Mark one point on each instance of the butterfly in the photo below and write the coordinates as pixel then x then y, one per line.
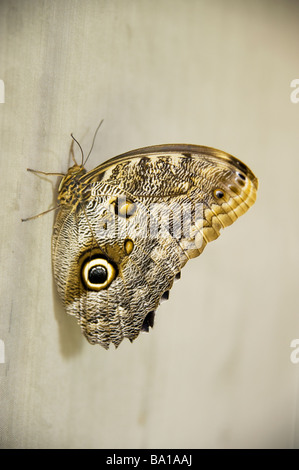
pixel 124 231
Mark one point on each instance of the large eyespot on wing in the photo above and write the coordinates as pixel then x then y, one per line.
pixel 99 308
pixel 97 273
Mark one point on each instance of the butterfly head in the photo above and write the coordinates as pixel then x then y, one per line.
pixel 70 188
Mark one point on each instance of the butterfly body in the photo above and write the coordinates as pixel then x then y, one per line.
pixel 124 231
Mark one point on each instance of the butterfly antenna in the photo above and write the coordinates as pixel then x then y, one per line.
pixel 80 149
pixel 94 138
pixel 42 213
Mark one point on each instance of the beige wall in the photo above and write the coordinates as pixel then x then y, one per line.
pixel 216 369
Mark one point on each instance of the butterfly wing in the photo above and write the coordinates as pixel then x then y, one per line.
pixel 140 217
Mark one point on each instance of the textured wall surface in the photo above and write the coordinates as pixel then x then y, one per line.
pixel 216 370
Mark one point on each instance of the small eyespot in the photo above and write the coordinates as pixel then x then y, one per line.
pixel 97 273
pixel 127 209
pixel 123 207
pixel 240 175
pixel 219 194
pixel 128 245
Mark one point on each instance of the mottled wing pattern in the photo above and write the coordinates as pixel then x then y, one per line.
pixel 143 214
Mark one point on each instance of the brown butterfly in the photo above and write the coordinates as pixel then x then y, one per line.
pixel 124 231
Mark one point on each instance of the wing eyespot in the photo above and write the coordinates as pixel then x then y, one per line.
pixel 240 175
pixel 219 194
pixel 124 207
pixel 97 273
pixel 128 246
